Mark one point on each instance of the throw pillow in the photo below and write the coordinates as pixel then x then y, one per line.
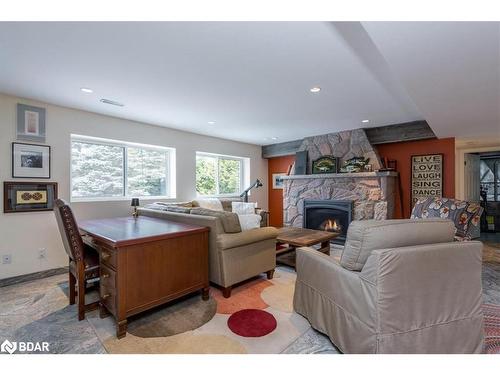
pixel 209 203
pixel 248 222
pixel 230 221
pixel 244 208
pixel 178 209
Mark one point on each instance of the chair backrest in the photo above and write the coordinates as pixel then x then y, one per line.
pixel 72 240
pixel 364 236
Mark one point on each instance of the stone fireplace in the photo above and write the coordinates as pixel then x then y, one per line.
pixel 371 195
pixel 329 215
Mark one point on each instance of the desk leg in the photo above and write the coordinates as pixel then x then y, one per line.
pixel 121 329
pixel 205 293
pixel 103 311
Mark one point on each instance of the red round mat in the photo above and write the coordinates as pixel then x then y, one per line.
pixel 252 323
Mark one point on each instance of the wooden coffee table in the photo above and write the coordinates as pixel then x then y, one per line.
pixel 300 237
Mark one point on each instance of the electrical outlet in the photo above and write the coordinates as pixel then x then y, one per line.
pixel 7 259
pixel 42 253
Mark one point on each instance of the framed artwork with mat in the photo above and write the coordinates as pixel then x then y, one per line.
pixel 28 196
pixel 30 123
pixel 30 161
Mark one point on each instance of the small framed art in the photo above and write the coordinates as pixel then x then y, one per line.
pixel 278 180
pixel 30 161
pixel 28 196
pixel 30 123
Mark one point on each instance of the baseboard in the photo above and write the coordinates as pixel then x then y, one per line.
pixel 32 276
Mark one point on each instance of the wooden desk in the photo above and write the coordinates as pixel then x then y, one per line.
pixel 146 262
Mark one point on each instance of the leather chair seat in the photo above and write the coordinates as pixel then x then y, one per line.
pixel 91 264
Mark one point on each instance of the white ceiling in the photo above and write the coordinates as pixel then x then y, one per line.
pixel 450 69
pixel 253 79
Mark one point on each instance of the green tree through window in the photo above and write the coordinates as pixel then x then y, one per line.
pixel 218 175
pixel 100 170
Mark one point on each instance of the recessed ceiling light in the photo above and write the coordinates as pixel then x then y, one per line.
pixel 211 123
pixel 315 89
pixel 86 90
pixel 111 102
pixel 365 121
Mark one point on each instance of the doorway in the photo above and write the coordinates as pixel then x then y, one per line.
pixel 490 191
pixel 482 184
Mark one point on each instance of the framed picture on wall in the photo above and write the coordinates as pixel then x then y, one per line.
pixel 30 161
pixel 28 196
pixel 278 180
pixel 426 176
pixel 30 123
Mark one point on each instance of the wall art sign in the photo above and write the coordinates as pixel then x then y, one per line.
pixel 426 176
pixel 30 123
pixel 30 161
pixel 28 196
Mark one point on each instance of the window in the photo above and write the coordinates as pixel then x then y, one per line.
pixel 218 174
pixel 106 169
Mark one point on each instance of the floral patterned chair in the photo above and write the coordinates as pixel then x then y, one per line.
pixel 465 215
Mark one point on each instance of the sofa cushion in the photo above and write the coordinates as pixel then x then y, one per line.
pixel 179 209
pixel 208 203
pixel 227 203
pixel 230 240
pixel 364 236
pixel 163 206
pixel 465 215
pixel 250 221
pixel 229 220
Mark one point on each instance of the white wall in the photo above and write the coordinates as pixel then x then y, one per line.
pixel 23 234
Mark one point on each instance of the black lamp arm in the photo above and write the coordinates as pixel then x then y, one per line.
pixel 244 195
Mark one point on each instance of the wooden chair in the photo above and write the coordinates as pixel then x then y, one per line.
pixel 83 260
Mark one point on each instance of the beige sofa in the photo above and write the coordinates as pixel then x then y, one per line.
pixel 233 257
pixel 401 286
pixel 226 205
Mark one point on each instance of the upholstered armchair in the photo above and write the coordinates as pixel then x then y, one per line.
pixel 466 216
pixel 401 286
pixel 83 260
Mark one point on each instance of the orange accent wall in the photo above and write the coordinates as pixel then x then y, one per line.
pixel 277 165
pixel 403 151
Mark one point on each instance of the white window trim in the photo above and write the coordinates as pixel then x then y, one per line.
pixel 170 174
pixel 243 174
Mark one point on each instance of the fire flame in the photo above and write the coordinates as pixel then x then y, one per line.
pixel 332 226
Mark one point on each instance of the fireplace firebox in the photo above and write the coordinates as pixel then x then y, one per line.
pixel 329 215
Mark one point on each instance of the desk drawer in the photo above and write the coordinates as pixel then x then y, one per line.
pixel 108 257
pixel 108 288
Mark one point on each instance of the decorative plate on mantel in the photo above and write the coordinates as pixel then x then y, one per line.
pixel 325 164
pixel 355 165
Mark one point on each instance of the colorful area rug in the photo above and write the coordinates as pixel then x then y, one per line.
pixel 258 318
pixel 492 328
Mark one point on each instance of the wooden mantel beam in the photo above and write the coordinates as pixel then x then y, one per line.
pixel 407 131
